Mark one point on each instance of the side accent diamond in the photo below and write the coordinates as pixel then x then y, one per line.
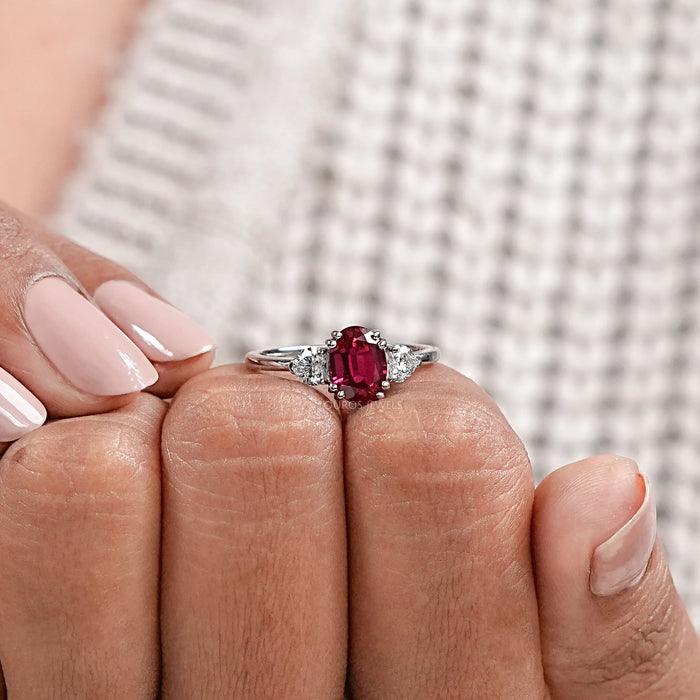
pixel 311 366
pixel 402 363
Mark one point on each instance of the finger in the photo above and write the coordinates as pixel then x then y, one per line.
pixel 58 344
pixel 20 411
pixel 254 561
pixel 79 546
pixel 613 625
pixel 177 346
pixel 53 340
pixel 442 598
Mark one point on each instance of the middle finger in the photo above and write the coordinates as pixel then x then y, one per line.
pixel 254 565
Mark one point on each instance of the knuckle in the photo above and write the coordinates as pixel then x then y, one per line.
pixel 451 435
pixel 103 463
pixel 641 651
pixel 12 232
pixel 19 255
pixel 19 242
pixel 272 434
pixel 24 251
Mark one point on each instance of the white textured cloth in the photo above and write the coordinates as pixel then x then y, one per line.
pixel 517 182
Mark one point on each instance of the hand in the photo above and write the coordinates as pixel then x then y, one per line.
pixel 449 591
pixel 60 352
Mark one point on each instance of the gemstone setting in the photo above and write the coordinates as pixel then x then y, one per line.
pixel 357 364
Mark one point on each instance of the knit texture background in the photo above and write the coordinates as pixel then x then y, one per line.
pixel 517 182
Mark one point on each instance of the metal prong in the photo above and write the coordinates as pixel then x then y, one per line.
pixel 382 344
pixel 340 395
pixel 396 347
pixel 379 395
pixel 375 334
pixel 330 343
pixel 385 384
pixel 336 334
pixel 332 388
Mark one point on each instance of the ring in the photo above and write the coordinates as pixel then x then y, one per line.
pixel 357 363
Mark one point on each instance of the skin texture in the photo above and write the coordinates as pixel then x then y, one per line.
pixel 439 493
pixel 254 594
pixel 79 527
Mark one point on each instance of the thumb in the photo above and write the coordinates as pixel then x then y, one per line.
pixel 612 622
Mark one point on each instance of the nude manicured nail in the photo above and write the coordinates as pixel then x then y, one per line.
pixel 620 561
pixel 82 343
pixel 20 411
pixel 162 332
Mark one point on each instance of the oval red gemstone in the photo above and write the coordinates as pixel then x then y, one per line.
pixel 357 365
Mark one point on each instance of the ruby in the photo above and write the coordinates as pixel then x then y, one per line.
pixel 357 365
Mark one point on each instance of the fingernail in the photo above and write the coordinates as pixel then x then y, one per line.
pixel 620 562
pixel 20 411
pixel 82 343
pixel 162 332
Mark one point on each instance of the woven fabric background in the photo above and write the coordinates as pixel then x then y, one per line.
pixel 516 182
